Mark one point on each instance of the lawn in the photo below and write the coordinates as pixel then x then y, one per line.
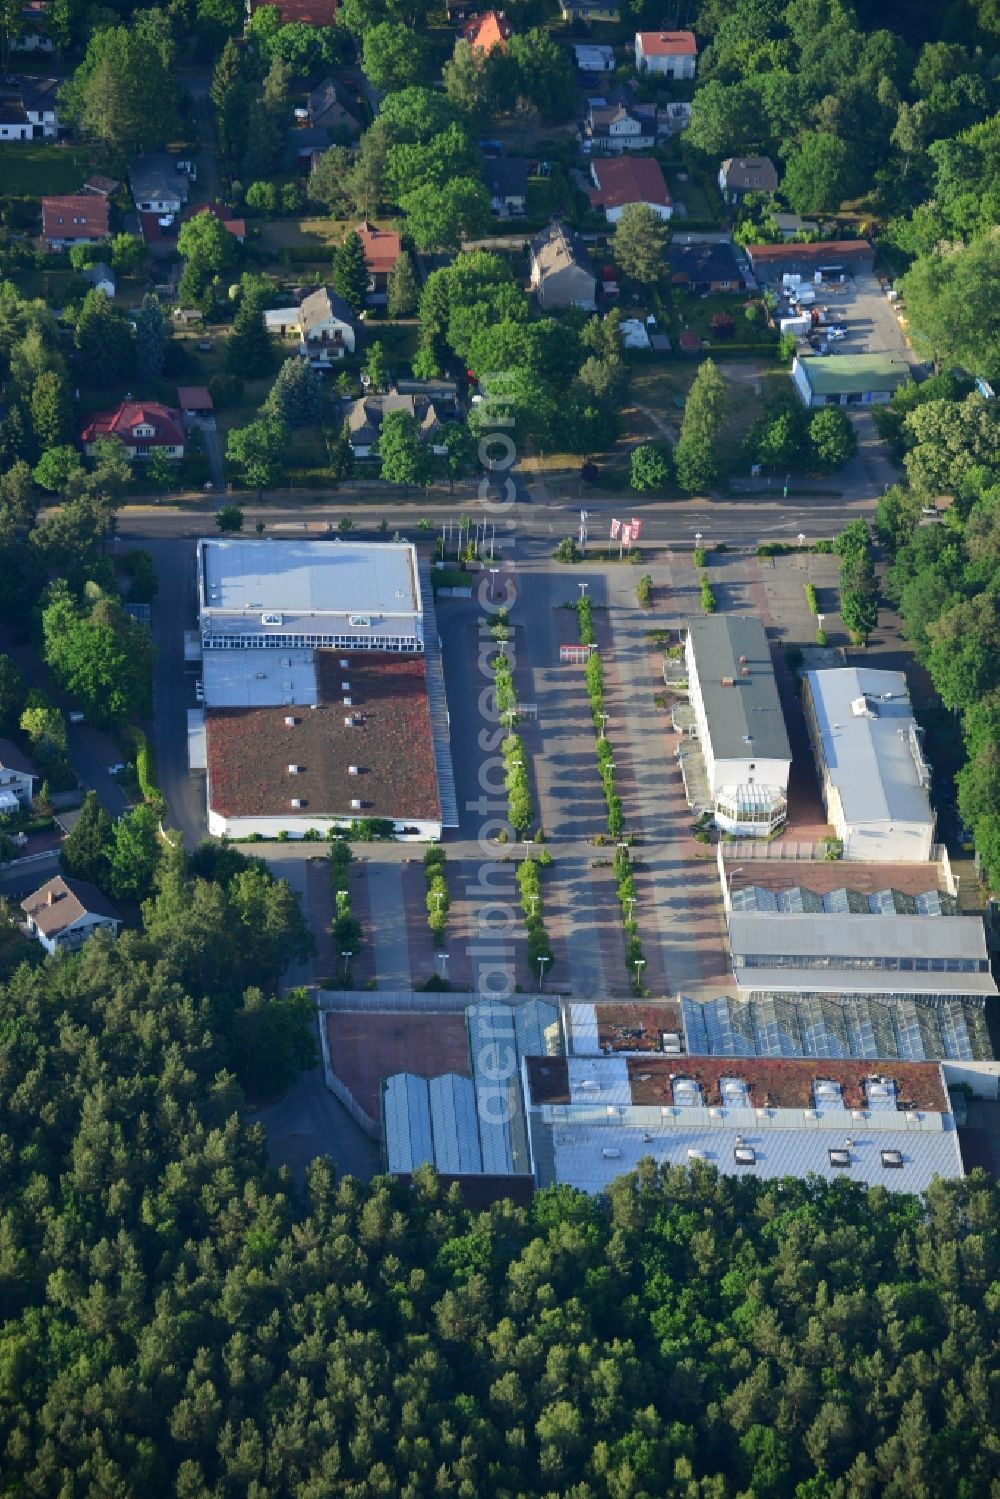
pixel 35 169
pixel 694 310
pixel 320 233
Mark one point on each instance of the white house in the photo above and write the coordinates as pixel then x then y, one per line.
pixel 326 327
pixel 672 54
pixel 101 277
pixel 28 109
pixel 17 779
pixel 593 58
pixel 618 127
pixel 739 723
pixel 157 183
pixel 64 913
pixel 869 754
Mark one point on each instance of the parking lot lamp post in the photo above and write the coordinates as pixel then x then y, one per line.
pixel 527 848
pixel 583 589
pixel 630 902
pixel 819 621
pixel 534 904
pixel 698 538
pixel 347 963
pixel 640 963
pixel 541 973
pixel 442 958
pixel 439 897
pixel 802 538
pixel 604 719
pixel 494 572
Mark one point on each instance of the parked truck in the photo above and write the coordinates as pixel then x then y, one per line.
pixel 797 325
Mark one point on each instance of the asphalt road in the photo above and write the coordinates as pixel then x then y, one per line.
pixel 174 612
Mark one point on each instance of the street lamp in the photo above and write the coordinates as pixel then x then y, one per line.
pixel 347 963
pixel 604 718
pixel 630 902
pixel 439 897
pixel 541 973
pixel 583 589
pixel 802 538
pixel 697 538
pixel 494 571
pixel 527 848
pixel 640 963
pixel 442 958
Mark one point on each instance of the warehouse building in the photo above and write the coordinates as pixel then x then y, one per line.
pixel 739 723
pixel 591 1119
pixel 847 379
pixel 323 704
pixel 869 756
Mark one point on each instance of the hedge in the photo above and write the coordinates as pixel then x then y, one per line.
pixel 145 767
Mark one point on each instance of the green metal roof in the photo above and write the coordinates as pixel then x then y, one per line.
pixel 853 374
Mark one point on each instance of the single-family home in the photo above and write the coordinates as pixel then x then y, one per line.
pixel 672 54
pixel 236 227
pixel 365 418
pixel 621 127
pixel 589 10
pixel 492 29
pixel 101 277
pixel 79 219
pixel 299 12
pixel 28 109
pixel 742 175
pixel 64 913
pixel 382 249
pixel 17 779
pixel 506 177
pixel 561 272
pixel 705 267
pixel 34 34
pixel 330 107
pixel 848 379
pixel 326 327
pixel 620 181
pixel 158 185
pixel 594 58
pixel 141 426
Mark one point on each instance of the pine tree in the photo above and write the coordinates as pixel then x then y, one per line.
pixel 84 855
pixel 402 288
pixel 296 396
pixel 350 272
pixel 342 456
pixel 51 411
pixel 151 334
pixel 249 350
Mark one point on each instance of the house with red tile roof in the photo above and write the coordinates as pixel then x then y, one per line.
pixel 492 29
pixel 79 219
pixel 299 12
pixel 622 180
pixel 141 426
pixel 382 249
pixel 671 54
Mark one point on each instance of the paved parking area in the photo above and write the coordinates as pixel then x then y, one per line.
pixel 869 316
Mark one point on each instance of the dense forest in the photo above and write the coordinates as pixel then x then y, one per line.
pixel 181 1320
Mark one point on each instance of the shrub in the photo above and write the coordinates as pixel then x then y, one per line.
pixel 644 591
pixel 811 599
pixel 707 595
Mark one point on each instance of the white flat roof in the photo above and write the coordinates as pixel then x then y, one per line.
pixel 259 679
pixel 868 758
pixel 820 934
pixel 308 577
pixel 801 983
pixel 590 1157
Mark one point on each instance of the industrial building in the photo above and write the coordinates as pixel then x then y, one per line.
pixel 323 704
pixel 847 379
pixel 591 1119
pixel 869 756
pixel 739 723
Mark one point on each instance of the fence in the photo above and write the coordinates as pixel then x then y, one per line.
pixel 339 1090
pixel 759 848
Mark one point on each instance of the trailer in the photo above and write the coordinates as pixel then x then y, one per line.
pixel 796 325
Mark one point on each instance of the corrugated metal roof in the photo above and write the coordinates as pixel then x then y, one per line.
pixel 406 1119
pixel 869 759
pixel 744 718
pixel 829 935
pixel 454 1124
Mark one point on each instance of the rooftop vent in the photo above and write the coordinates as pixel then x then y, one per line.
pixel 290 720
pixel 356 804
pixel 840 1158
pixel 743 660
pixel 352 770
pixel 670 1041
pixel 295 770
pixel 297 801
pixel 729 681
pixel 345 686
pixel 696 1155
pixel 744 671
pixel 349 721
pixel 744 1155
pixel 344 665
pixel 892 1160
pixel 348 700
pixel 610 1152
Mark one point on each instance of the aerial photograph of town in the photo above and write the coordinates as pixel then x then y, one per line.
pixel 499 749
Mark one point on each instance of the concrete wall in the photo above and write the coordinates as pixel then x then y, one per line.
pixel 296 827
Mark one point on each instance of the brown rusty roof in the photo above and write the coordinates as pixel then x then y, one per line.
pixel 834 874
pixel 635 1027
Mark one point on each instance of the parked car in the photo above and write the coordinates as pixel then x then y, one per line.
pixel 78 718
pixel 117 769
pixel 835 333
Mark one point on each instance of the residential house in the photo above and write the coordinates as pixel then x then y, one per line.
pixel 848 379
pixel 492 29
pixel 308 142
pixel 365 418
pixel 299 12
pixel 28 109
pixel 79 219
pixel 326 327
pixel 705 267
pixel 236 227
pixel 101 277
pixel 159 233
pixel 591 58
pixel 561 272
pixel 64 913
pixel 34 35
pixel 507 180
pixel 589 10
pixel 195 400
pixel 672 54
pixel 158 186
pixel 330 108
pixel 382 249
pixel 620 127
pixel 283 322
pixel 623 180
pixel 141 426
pixel 17 779
pixel 741 175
